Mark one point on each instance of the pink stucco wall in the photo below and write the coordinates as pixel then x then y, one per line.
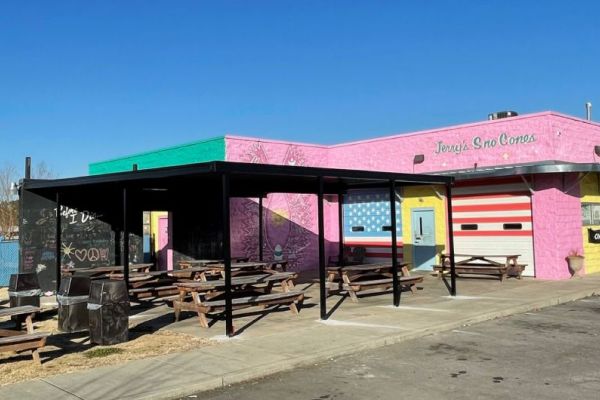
pixel 556 223
pixel 574 139
pixel 525 139
pixel 395 153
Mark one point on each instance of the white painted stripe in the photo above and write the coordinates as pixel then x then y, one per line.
pixel 414 308
pixel 475 214
pixel 500 200
pixel 333 322
pixel 468 333
pixel 461 297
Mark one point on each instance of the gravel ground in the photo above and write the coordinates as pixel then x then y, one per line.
pixel 66 353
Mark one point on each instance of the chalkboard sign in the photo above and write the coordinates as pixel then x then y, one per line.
pixel 37 237
pixel 593 235
pixel 86 239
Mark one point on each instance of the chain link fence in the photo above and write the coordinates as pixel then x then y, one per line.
pixel 9 260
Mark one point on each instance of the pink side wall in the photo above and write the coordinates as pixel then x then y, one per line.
pixel 556 224
pixel 574 139
pixel 536 138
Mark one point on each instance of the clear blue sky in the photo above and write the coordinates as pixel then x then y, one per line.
pixel 84 81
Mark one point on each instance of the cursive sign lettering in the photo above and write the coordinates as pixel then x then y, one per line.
pixel 478 143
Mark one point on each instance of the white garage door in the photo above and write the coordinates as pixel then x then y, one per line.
pixel 494 217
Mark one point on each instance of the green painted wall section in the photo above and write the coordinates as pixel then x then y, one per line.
pixel 196 152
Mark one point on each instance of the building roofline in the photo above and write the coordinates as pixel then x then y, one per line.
pixel 159 150
pixel 422 132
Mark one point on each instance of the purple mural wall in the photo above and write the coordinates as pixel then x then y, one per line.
pixel 290 228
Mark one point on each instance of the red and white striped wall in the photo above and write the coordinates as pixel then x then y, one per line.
pixel 494 217
pixel 378 249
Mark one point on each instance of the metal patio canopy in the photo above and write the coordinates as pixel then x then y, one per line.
pixel 140 190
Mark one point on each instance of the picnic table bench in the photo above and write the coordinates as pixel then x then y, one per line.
pixel 17 341
pixel 249 291
pixel 474 264
pixel 357 278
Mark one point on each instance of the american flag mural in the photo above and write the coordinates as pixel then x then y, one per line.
pixel 494 217
pixel 367 223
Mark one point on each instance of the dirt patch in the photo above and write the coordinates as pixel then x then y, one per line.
pixel 65 353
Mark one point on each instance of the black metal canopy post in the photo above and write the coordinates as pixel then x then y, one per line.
pixel 125 238
pixel 341 228
pixel 229 329
pixel 260 229
pixel 58 243
pixel 27 167
pixel 395 281
pixel 322 290
pixel 450 240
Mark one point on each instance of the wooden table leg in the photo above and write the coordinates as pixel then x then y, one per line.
pixel 34 352
pixel 201 315
pixel 351 292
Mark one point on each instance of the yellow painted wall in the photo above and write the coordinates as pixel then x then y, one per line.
pixel 590 193
pixel 423 197
pixel 154 216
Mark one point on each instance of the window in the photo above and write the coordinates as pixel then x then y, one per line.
pixel 590 213
pixel 513 227
pixel 469 227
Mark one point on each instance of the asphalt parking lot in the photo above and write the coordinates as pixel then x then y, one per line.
pixel 553 353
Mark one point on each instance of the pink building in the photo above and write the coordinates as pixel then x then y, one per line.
pixel 526 185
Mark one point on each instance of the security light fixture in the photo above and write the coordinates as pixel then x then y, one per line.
pixel 419 158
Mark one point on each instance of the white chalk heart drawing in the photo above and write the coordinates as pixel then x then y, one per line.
pixel 81 254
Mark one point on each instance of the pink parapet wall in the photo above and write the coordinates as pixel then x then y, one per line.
pixel 518 140
pixel 556 224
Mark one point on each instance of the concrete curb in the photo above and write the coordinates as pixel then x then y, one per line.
pixel 287 365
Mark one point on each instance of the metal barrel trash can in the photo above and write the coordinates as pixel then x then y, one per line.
pixel 108 308
pixel 72 299
pixel 24 290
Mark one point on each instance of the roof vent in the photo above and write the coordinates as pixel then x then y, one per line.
pixel 502 114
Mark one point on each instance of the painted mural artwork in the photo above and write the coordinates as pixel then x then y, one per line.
pixel 367 223
pixel 288 218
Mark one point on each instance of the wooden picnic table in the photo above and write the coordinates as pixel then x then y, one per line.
pixel 106 270
pixel 18 341
pixel 357 278
pixel 479 264
pixel 239 268
pixel 208 261
pixel 248 291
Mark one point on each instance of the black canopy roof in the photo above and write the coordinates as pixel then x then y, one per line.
pixel 247 179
